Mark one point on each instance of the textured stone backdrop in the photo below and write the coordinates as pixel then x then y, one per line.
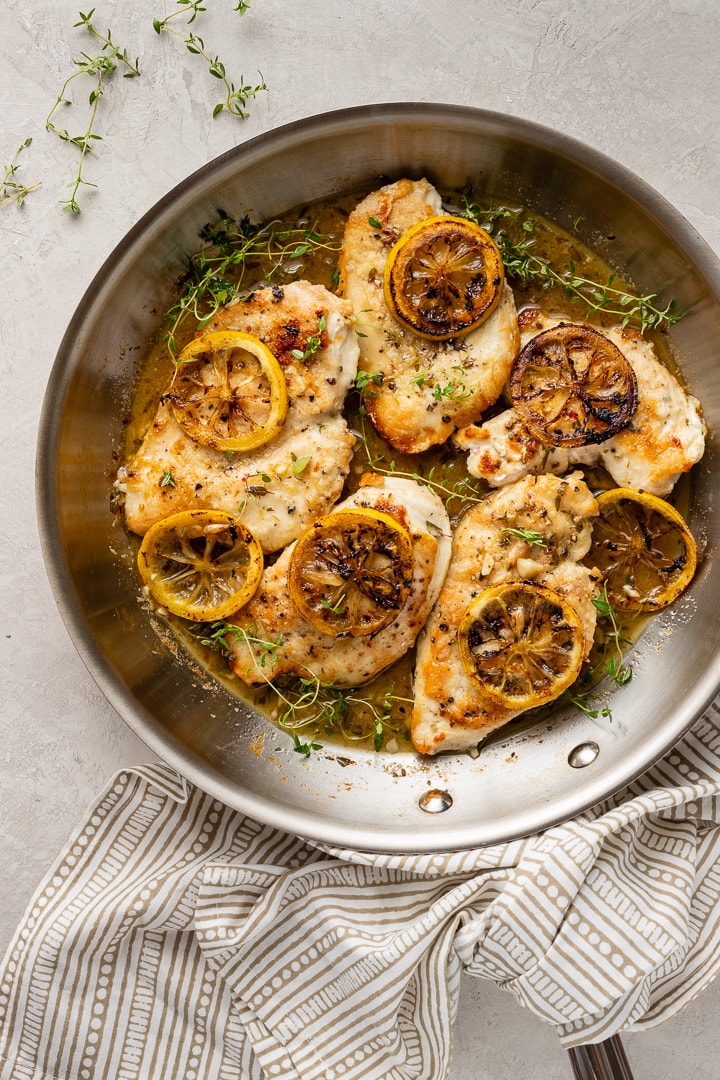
pixel 637 81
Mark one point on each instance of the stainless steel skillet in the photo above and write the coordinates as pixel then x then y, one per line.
pixel 519 785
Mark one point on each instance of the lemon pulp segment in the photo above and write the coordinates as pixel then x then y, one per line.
pixel 200 564
pixel 351 572
pixel 521 643
pixel 228 391
pixel 443 277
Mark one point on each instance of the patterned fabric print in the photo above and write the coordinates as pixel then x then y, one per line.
pixel 174 937
pixel 105 977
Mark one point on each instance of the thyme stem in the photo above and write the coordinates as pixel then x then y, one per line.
pixel 11 191
pixel 307 703
pixel 464 491
pixel 236 98
pixel 522 263
pixel 98 68
pixel 216 273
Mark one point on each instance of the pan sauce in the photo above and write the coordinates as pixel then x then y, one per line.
pixel 552 243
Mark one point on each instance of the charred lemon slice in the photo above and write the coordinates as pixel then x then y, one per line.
pixel 201 564
pixel 521 644
pixel 228 391
pixel 443 277
pixel 643 548
pixel 571 386
pixel 350 573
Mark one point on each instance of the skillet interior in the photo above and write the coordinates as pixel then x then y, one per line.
pixel 515 787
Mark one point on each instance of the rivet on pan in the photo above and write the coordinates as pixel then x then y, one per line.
pixel 583 754
pixel 435 801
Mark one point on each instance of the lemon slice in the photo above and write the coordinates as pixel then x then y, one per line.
pixel 443 277
pixel 201 564
pixel 643 548
pixel 228 391
pixel 522 644
pixel 351 572
pixel 571 386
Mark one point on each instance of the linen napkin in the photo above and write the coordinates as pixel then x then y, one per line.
pixel 175 937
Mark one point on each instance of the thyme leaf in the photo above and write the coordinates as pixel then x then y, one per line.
pixel 314 343
pixel 300 464
pixel 449 392
pixel 304 748
pixel 584 706
pixel 530 536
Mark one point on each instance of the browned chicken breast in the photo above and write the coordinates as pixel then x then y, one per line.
pixel 451 712
pixel 428 388
pixel 664 439
pixel 271 615
pixel 265 487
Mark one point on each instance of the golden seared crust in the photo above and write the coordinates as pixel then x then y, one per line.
pixel 428 388
pixel 348 661
pixel 275 498
pixel 664 439
pixel 262 487
pixel 285 319
pixel 450 713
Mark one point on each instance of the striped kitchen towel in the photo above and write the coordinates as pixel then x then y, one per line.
pixel 174 937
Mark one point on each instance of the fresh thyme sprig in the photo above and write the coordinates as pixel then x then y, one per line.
pixel 452 391
pixel 308 705
pixel 611 666
pixel 619 673
pixel 98 68
pixel 321 707
pixel 585 706
pixel 10 190
pixel 364 381
pixel 463 491
pixel 217 272
pixel 530 536
pixel 236 98
pixel 522 263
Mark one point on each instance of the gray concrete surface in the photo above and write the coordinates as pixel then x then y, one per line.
pixel 637 81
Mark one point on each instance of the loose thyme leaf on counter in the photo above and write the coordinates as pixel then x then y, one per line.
pixel 98 68
pixel 10 190
pixel 236 98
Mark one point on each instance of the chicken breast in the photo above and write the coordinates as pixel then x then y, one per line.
pixel 428 388
pixel 271 615
pixel 665 438
pixel 283 486
pixel 450 712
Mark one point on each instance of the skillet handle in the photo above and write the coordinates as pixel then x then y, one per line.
pixel 600 1061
